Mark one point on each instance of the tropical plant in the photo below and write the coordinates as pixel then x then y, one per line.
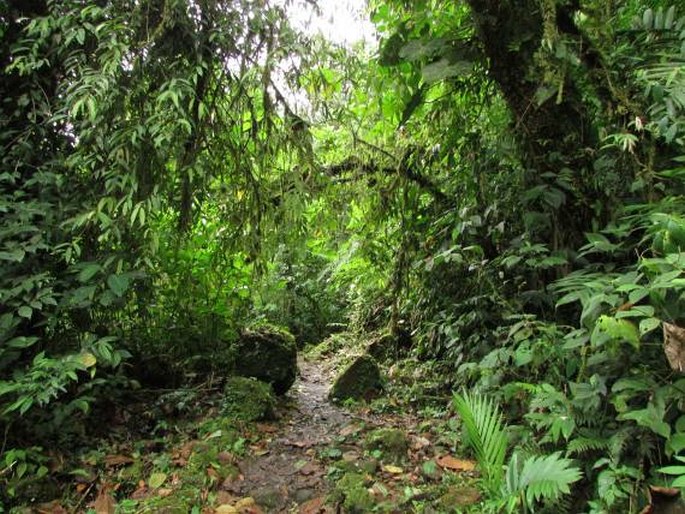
pixel 523 483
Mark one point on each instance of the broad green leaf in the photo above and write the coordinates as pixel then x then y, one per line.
pixel 443 69
pixel 21 342
pixel 608 328
pixel 673 470
pixel 649 324
pixel 25 311
pixel 156 480
pixel 118 284
pixel 16 255
pixel 88 272
pixel 87 359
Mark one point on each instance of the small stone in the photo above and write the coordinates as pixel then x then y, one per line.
pixel 391 442
pixel 460 497
pixel 268 497
pixel 303 495
pixel 350 456
pixel 369 466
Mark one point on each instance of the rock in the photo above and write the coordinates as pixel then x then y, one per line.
pixel 268 354
pixel 268 497
pixel 247 399
pixel 382 347
pixel 459 496
pixel 303 495
pixel 358 380
pixel 352 492
pixel 391 442
pixel 391 344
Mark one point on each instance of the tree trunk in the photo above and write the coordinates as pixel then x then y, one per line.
pixel 555 134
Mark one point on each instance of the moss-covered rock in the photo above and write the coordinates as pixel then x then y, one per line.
pixel 351 491
pixel 390 442
pixel 381 347
pixel 361 378
pixel 247 399
pixel 268 354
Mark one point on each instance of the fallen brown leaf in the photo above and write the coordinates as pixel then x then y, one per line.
pixel 117 460
pixel 308 469
pixel 449 462
pixel 313 506
pixel 54 507
pixel 267 428
pixel 104 503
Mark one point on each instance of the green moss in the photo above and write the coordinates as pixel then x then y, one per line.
pixel 391 442
pixel 352 492
pixel 357 381
pixel 382 347
pixel 329 346
pixel 180 502
pixel 247 399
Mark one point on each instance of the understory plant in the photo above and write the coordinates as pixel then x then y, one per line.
pixel 526 482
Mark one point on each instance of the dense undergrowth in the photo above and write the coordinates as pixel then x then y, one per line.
pixel 494 194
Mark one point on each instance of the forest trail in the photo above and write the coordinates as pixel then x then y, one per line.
pixel 320 458
pixel 286 475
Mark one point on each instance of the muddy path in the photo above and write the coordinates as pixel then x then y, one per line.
pixel 320 458
pixel 285 473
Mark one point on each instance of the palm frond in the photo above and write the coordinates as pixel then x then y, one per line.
pixel 485 434
pixel 547 477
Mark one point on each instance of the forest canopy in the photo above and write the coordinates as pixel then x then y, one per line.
pixel 497 188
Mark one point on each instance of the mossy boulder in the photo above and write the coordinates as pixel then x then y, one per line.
pixel 268 354
pixel 358 380
pixel 392 444
pixel 382 347
pixel 352 492
pixel 247 399
pixel 390 344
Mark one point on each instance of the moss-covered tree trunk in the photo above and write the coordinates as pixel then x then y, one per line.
pixel 552 120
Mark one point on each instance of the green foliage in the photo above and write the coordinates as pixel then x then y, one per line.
pixel 483 425
pixel 502 182
pixel 519 484
pixel 247 399
pixel 352 492
pixel 678 471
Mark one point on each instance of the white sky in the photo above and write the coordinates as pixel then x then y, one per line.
pixel 344 22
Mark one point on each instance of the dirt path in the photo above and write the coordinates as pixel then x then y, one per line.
pixel 285 474
pixel 390 460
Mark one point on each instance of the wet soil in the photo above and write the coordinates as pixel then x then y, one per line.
pixel 287 474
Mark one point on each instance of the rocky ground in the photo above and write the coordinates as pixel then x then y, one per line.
pixel 315 457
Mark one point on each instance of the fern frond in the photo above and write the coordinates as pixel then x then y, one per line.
pixel 547 477
pixel 485 434
pixel 619 441
pixel 587 443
